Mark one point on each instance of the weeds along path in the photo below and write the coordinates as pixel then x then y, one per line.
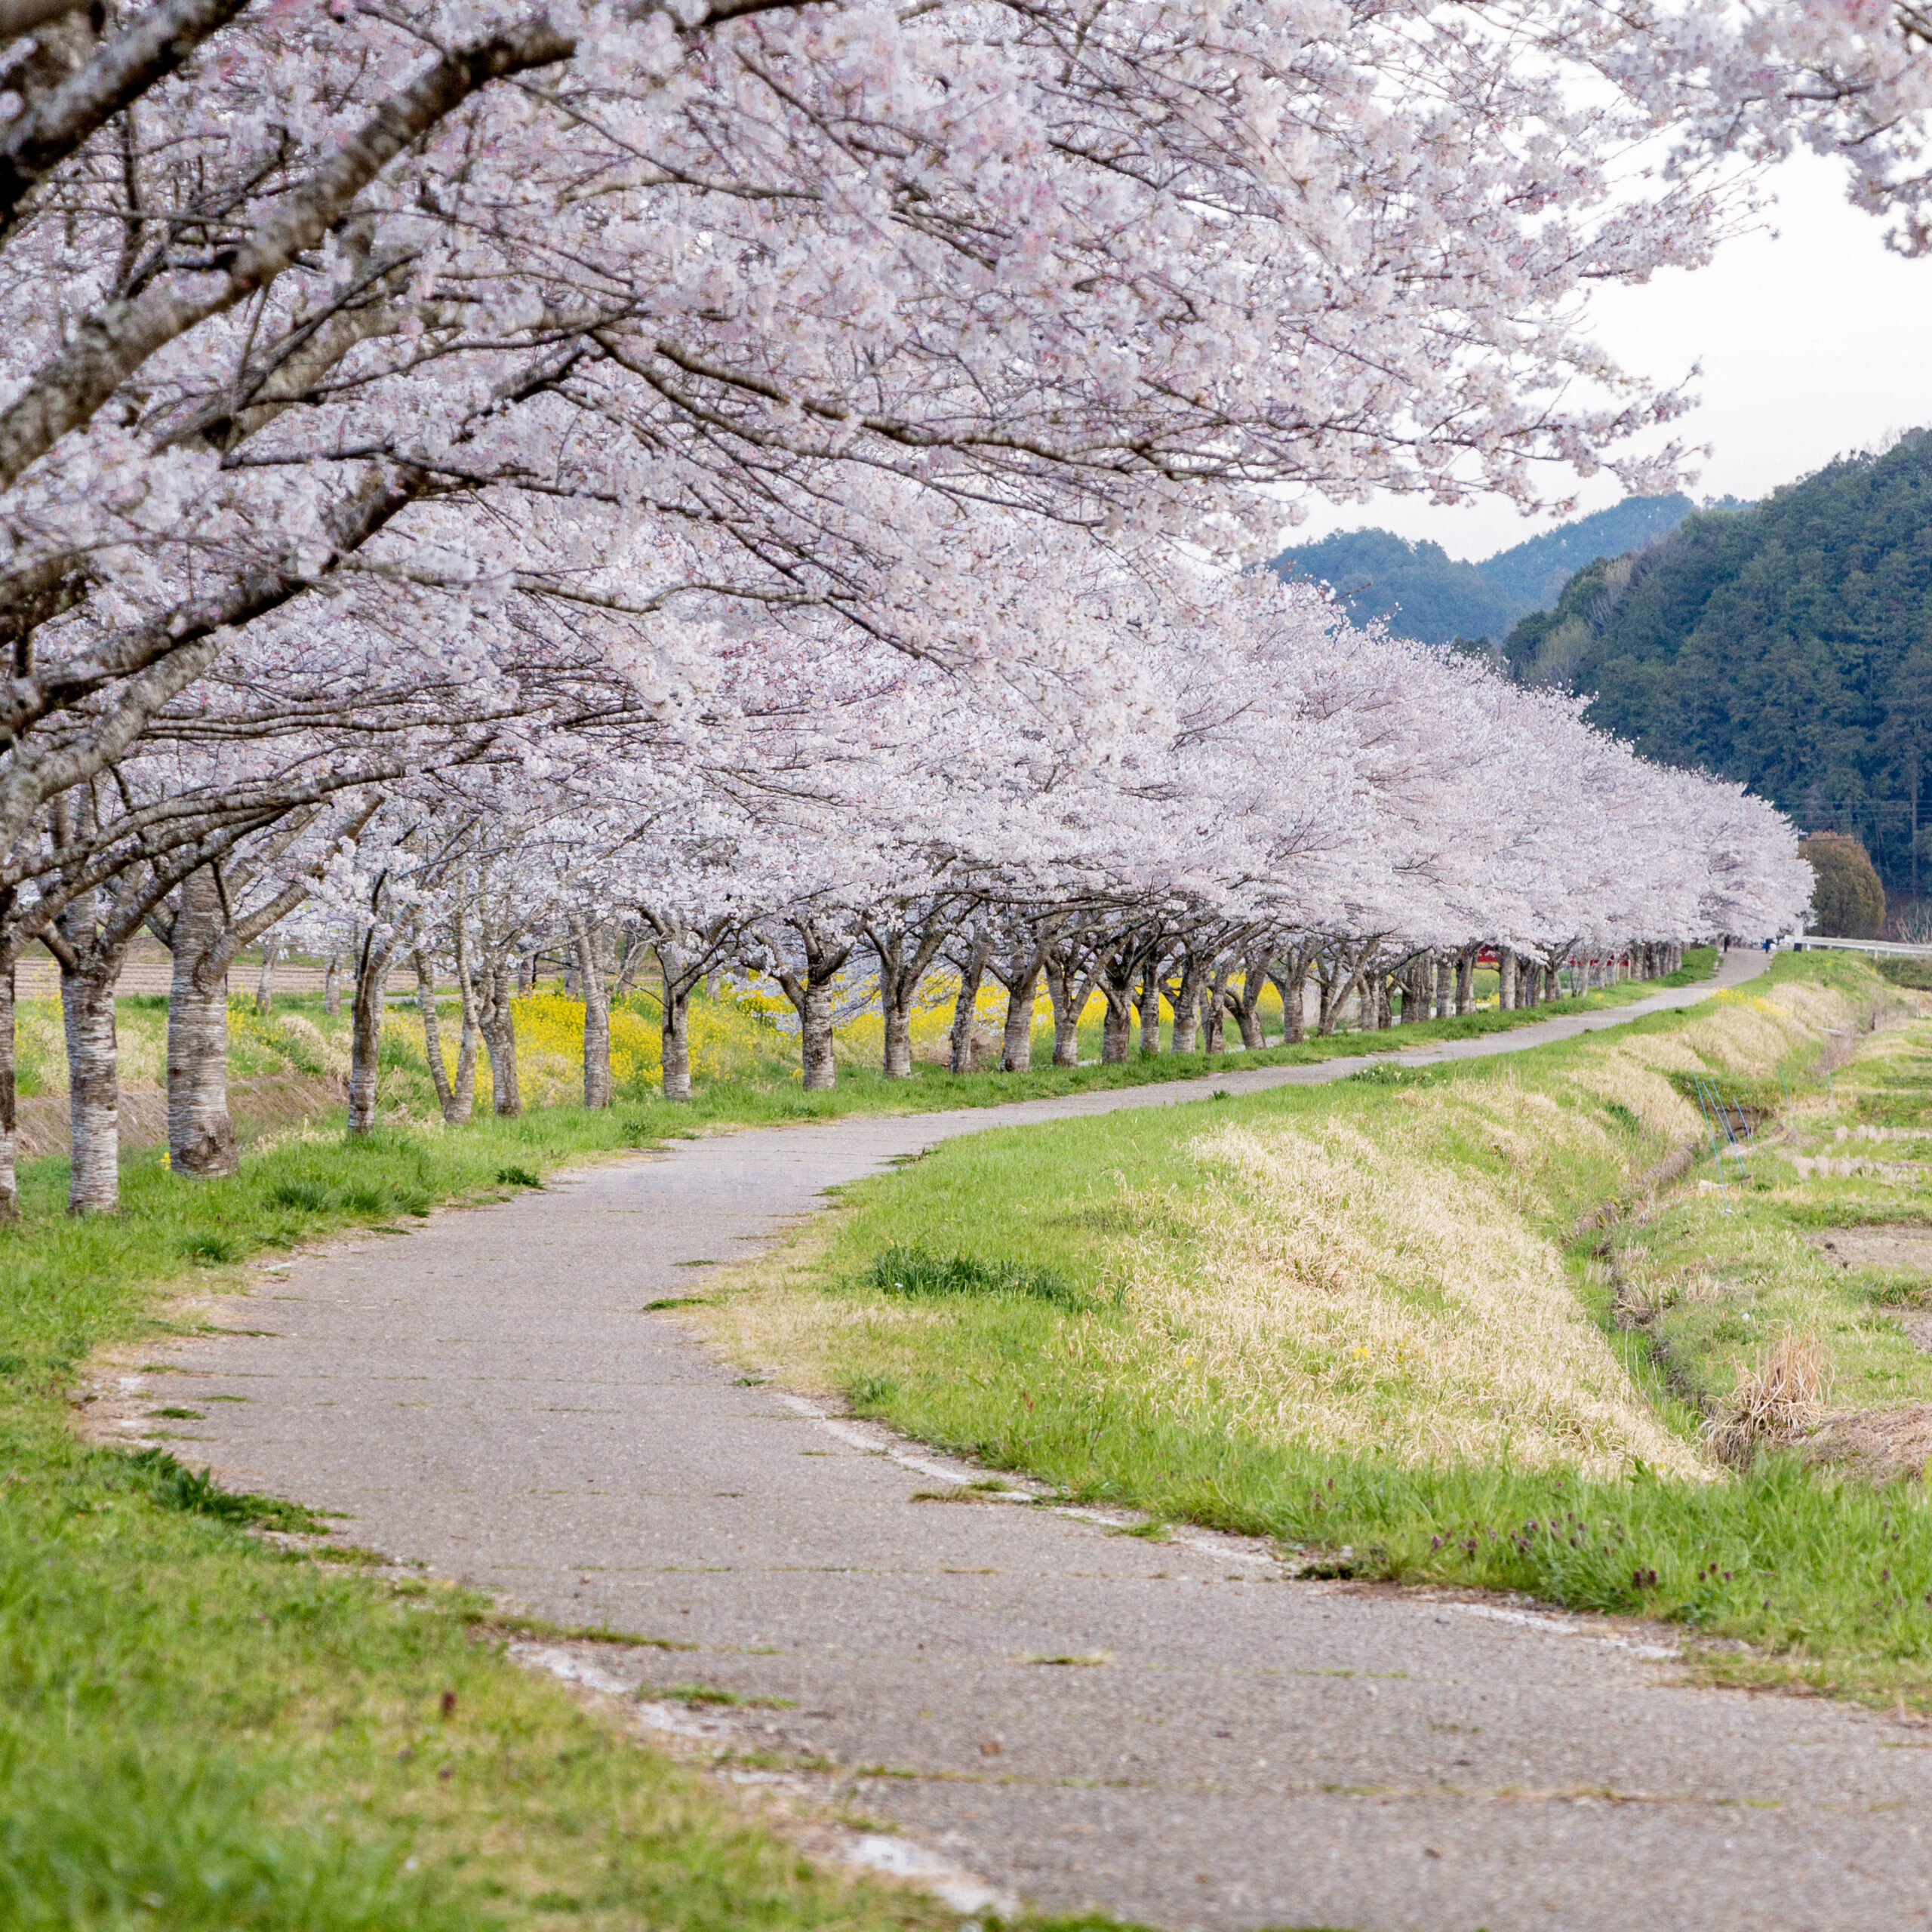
pixel 1170 1731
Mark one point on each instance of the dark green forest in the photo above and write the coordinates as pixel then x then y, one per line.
pixel 1427 594
pixel 1789 645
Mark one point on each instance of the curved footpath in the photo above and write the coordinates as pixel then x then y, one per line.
pixel 487 1395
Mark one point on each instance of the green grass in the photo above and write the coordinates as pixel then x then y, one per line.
pixel 197 1732
pixel 199 1728
pixel 1722 1269
pixel 1830 1582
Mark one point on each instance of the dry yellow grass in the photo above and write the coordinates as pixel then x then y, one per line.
pixel 1385 1279
pixel 1345 1294
pixel 1779 1400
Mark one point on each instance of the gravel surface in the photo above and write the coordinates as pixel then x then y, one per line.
pixel 1228 1747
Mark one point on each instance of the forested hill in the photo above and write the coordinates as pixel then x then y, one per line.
pixel 1790 646
pixel 1427 594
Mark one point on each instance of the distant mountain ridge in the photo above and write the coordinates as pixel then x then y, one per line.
pixel 1787 645
pixel 1425 593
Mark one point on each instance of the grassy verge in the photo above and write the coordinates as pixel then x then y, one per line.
pixel 1365 1319
pixel 199 1729
pixel 1813 1223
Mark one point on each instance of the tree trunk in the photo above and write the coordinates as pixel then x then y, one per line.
pixel 10 1183
pixel 895 1001
pixel 463 1091
pixel 94 1097
pixel 265 983
pixel 1328 998
pixel 1385 1006
pixel 596 1016
pixel 1247 1008
pixel 1213 1012
pixel 966 1007
pixel 201 1136
pixel 1506 979
pixel 1116 984
pixel 1016 1051
pixel 1292 984
pixel 1466 981
pixel 365 1032
pixel 1150 1005
pixel 332 984
pixel 674 1034
pixel 1068 997
pixel 1185 999
pixel 500 1040
pixel 821 1072
pixel 432 1035
pixel 898 1056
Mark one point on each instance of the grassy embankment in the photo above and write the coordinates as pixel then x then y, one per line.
pixel 1382 1320
pixel 198 1730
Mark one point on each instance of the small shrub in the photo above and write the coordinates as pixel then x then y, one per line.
pixel 916 1271
pixel 516 1177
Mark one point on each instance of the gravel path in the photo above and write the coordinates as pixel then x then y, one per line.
pixel 487 1395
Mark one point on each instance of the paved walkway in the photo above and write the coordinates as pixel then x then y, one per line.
pixel 488 1396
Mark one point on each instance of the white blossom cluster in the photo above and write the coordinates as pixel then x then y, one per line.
pixel 726 457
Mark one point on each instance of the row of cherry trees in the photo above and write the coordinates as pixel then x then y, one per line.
pixel 1350 820
pixel 771 473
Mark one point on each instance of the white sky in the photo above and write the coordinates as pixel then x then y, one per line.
pixel 1812 340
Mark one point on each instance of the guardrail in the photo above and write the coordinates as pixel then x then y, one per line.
pixel 1872 945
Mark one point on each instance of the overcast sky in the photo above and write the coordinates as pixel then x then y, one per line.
pixel 1814 341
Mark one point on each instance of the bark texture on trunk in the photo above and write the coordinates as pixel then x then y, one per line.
pixel 201 1136
pixel 675 1042
pixel 463 1090
pixel 93 1093
pixel 821 1070
pixel 365 1032
pixel 332 984
pixel 1148 1005
pixel 1116 984
pixel 681 971
pixel 498 1024
pixel 905 949
pixel 1248 1004
pixel 811 992
pixel 1073 966
pixel 10 1183
pixel 1015 1047
pixel 1215 1001
pixel 1291 981
pixel 265 983
pixel 1184 997
pixel 596 1016
pixel 965 1007
pixel 1506 979
pixel 433 1035
pixel 1466 980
